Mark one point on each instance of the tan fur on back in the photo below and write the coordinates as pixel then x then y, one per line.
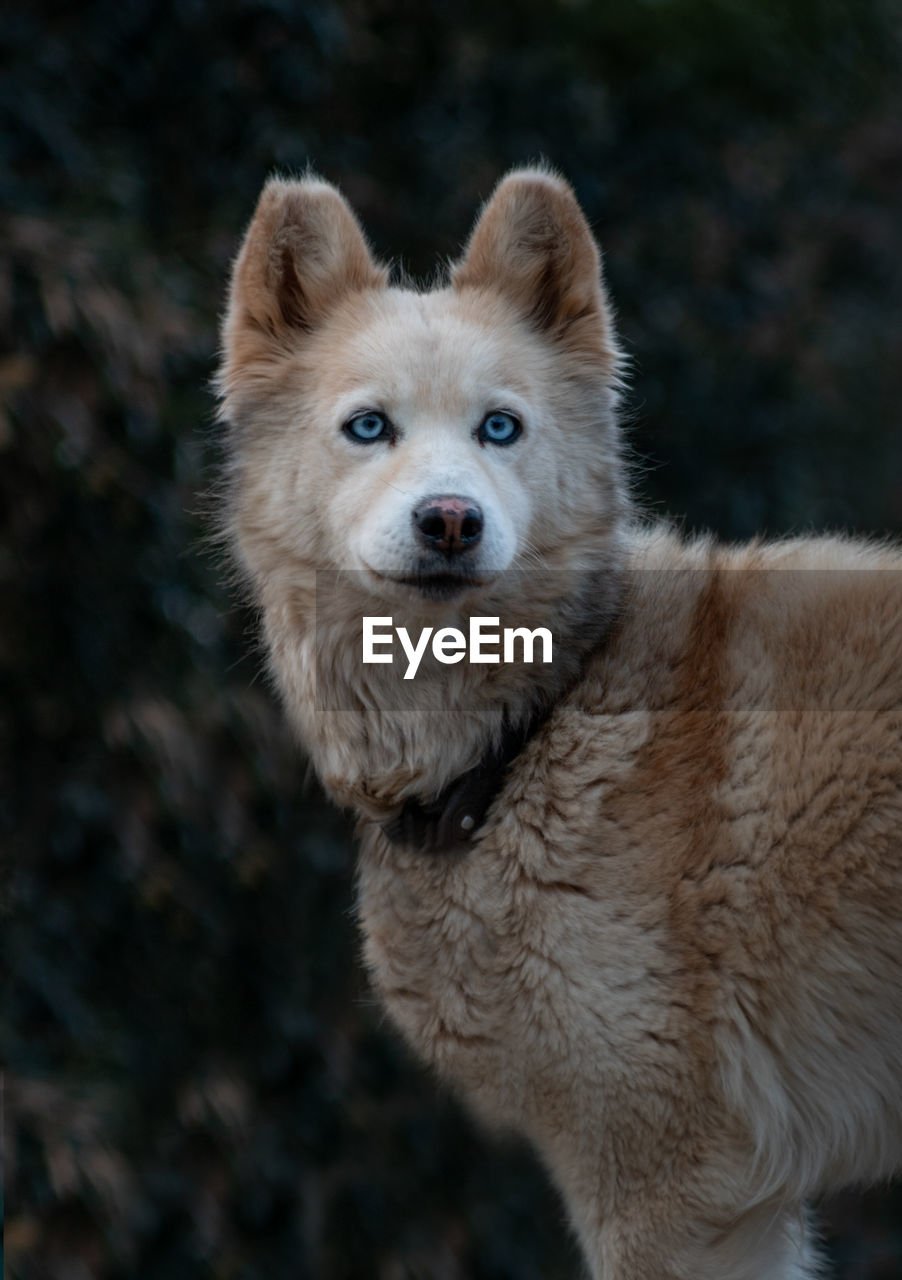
pixel 673 957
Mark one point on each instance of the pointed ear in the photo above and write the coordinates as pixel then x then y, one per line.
pixel 532 244
pixel 302 252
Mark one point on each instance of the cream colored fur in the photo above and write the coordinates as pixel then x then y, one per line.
pixel 673 958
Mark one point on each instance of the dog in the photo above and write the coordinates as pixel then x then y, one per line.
pixel 641 903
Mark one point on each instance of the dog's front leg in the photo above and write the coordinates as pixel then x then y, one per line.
pixel 770 1242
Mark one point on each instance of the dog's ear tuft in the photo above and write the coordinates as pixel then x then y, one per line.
pixel 532 244
pixel 303 251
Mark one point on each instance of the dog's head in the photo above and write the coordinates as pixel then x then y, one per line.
pixel 428 440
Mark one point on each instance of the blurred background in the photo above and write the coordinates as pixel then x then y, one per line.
pixel 199 1084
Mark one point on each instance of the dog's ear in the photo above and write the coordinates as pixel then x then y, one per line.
pixel 303 251
pixel 532 244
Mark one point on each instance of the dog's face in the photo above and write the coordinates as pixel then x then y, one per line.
pixel 428 441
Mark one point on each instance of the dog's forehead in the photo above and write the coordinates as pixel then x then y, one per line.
pixel 433 350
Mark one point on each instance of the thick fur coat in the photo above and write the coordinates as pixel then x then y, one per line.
pixel 673 955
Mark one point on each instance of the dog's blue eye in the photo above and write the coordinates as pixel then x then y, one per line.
pixel 368 427
pixel 499 428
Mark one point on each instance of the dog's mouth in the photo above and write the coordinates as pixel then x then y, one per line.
pixel 435 586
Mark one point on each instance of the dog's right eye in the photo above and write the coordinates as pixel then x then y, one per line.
pixel 499 427
pixel 366 428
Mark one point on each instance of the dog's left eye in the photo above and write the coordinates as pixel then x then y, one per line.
pixel 498 428
pixel 368 427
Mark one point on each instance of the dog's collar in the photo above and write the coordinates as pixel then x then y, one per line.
pixel 455 817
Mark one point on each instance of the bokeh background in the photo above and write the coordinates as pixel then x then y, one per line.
pixel 199 1084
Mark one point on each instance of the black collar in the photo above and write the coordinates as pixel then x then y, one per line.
pixel 455 817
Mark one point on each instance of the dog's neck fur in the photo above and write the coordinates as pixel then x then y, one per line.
pixel 376 740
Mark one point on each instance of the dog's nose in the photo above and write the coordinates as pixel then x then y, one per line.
pixel 448 524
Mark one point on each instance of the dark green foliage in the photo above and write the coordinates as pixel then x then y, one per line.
pixel 200 1084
